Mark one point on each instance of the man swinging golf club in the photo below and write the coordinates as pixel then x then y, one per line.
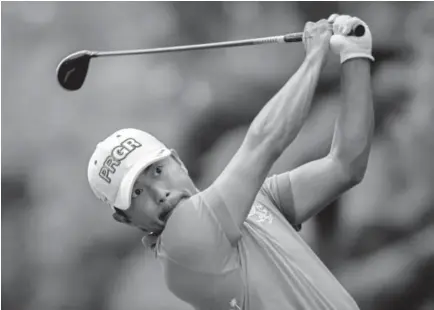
pixel 235 244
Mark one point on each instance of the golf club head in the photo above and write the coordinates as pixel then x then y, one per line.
pixel 72 70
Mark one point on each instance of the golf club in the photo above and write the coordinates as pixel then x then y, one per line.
pixel 72 70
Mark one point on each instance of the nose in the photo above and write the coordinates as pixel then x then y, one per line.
pixel 161 195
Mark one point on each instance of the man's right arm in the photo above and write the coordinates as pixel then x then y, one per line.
pixel 274 128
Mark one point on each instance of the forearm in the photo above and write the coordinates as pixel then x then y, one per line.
pixel 355 123
pixel 282 117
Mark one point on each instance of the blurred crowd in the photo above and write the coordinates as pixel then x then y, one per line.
pixel 61 249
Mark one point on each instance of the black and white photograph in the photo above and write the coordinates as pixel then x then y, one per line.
pixel 217 155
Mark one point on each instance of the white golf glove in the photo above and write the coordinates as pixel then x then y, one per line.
pixel 349 46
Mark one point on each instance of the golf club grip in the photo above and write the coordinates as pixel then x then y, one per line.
pixel 357 31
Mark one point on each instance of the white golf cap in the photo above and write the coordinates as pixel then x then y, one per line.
pixel 118 161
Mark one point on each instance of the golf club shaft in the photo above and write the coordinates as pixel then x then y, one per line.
pixel 287 38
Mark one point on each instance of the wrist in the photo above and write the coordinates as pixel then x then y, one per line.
pixel 356 62
pixel 315 58
pixel 357 68
pixel 356 55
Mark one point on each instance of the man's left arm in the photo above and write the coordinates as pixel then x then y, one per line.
pixel 306 190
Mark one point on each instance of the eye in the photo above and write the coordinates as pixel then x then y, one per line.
pixel 158 170
pixel 136 192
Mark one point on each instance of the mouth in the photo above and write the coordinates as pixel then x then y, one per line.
pixel 164 216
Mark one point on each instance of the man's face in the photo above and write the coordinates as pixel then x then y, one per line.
pixel 157 191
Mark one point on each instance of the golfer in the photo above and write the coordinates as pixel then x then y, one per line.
pixel 235 244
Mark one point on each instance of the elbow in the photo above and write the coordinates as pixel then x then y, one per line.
pixel 354 164
pixel 357 175
pixel 355 172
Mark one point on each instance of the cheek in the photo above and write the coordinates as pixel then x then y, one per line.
pixel 180 178
pixel 143 211
pixel 178 182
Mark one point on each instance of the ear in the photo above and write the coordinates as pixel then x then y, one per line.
pixel 178 160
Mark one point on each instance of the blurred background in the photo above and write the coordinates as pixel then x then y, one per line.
pixel 61 249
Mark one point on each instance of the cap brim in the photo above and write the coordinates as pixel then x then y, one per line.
pixel 123 198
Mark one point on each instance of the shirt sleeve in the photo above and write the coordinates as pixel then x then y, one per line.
pixel 277 189
pixel 197 238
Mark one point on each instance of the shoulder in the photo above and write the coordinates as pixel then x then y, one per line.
pixel 183 220
pixel 192 236
pixel 190 227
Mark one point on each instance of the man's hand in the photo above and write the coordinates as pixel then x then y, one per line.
pixel 316 38
pixel 348 47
